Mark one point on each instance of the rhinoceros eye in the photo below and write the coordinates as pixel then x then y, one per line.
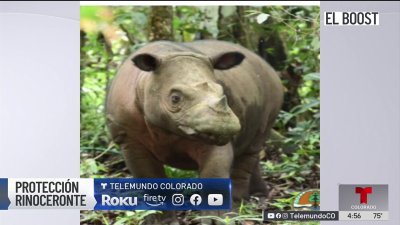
pixel 176 98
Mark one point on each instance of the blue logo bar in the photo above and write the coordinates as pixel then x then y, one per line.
pixel 162 194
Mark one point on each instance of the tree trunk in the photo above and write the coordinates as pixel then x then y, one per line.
pixel 226 17
pixel 242 31
pixel 161 23
pixel 82 77
pixel 270 44
pixel 209 27
pixel 108 58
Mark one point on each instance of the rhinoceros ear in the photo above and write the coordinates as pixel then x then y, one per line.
pixel 227 60
pixel 146 62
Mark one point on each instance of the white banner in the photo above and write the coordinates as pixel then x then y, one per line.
pixel 48 193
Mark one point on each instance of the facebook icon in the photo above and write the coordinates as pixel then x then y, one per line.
pixel 195 199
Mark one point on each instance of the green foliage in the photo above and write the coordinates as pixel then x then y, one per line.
pixel 133 24
pixel 177 173
pixel 284 203
pixel 247 212
pixel 300 125
pixel 186 23
pixel 230 220
pixel 299 27
pixel 92 169
pixel 89 12
pixel 96 77
pixel 115 217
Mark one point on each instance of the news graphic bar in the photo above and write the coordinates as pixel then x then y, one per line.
pixel 115 194
pixel 163 194
pixel 300 216
pixel 363 215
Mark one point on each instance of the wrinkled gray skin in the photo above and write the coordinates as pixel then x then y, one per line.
pixel 205 105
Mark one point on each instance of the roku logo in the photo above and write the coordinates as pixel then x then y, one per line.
pixel 363 194
pixel 118 201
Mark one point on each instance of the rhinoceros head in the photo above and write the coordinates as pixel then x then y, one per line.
pixel 181 95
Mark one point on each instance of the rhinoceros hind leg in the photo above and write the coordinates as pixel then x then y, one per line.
pixel 242 170
pixel 258 187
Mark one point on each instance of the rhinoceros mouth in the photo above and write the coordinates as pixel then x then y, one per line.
pixel 213 139
pixel 187 130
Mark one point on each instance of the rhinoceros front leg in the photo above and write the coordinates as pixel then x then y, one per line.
pixel 140 161
pixel 215 163
pixel 142 164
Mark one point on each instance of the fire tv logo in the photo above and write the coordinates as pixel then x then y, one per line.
pixel 363 194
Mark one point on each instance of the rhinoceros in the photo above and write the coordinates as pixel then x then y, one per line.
pixel 202 105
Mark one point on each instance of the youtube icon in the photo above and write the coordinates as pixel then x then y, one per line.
pixel 215 199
